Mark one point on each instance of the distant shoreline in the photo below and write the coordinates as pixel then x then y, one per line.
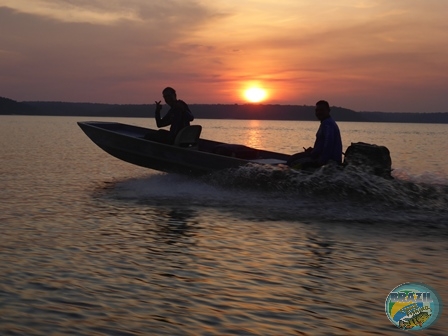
pixel 213 111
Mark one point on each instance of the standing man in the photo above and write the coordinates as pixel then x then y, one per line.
pixel 328 144
pixel 178 116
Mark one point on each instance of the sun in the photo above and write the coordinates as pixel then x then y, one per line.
pixel 255 94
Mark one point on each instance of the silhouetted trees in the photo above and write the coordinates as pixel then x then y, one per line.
pixel 212 111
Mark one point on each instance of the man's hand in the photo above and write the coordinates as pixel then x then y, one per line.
pixel 308 150
pixel 158 106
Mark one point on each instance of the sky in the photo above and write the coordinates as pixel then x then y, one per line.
pixel 373 55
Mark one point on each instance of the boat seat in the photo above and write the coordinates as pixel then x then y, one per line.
pixel 188 137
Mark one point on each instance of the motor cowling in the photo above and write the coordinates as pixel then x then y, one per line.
pixel 372 158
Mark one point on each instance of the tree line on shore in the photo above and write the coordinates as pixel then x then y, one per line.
pixel 212 111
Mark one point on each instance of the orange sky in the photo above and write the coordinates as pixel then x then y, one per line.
pixel 364 55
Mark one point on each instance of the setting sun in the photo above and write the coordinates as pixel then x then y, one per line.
pixel 255 94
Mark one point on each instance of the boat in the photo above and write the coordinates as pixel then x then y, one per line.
pixel 189 154
pixel 192 155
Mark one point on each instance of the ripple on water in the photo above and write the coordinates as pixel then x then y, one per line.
pixel 203 258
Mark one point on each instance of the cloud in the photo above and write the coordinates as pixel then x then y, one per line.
pixel 118 51
pixel 73 11
pixel 83 55
pixel 105 12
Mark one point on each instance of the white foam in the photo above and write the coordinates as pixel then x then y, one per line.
pixel 278 193
pixel 425 177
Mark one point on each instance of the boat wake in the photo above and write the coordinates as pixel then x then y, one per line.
pixel 259 192
pixel 351 185
pixel 331 182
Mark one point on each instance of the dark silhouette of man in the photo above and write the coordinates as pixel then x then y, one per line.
pixel 328 144
pixel 178 116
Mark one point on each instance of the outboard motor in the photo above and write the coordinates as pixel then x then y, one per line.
pixel 372 158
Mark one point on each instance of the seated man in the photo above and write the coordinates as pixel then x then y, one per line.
pixel 328 144
pixel 178 116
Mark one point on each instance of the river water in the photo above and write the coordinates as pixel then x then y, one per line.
pixel 91 245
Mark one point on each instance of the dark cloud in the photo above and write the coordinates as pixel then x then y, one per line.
pixel 121 52
pixel 55 54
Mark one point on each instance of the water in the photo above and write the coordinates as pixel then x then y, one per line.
pixel 91 245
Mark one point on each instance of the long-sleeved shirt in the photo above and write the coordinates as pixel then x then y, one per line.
pixel 179 116
pixel 328 144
